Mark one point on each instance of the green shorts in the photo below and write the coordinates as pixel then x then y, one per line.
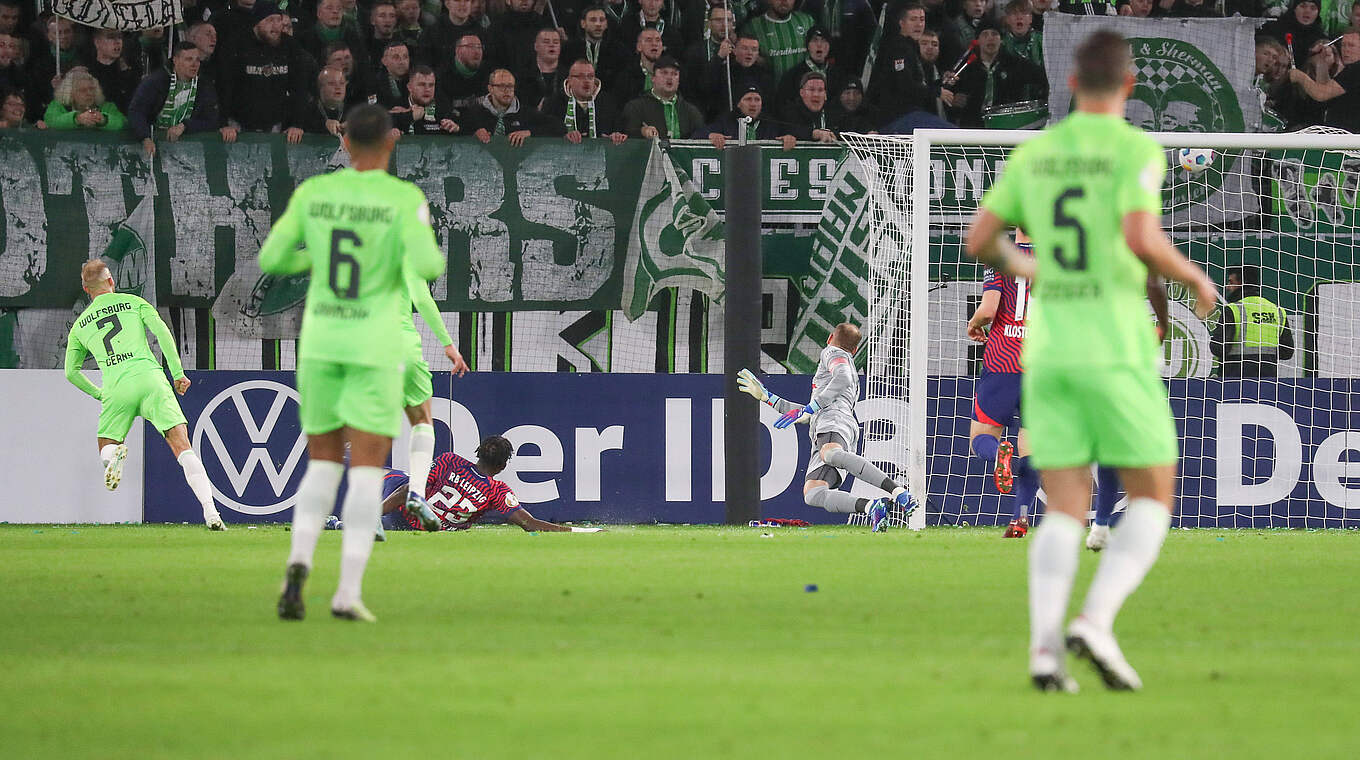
pixel 417 387
pixel 146 395
pixel 1116 416
pixel 334 395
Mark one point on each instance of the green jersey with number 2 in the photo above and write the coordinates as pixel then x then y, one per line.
pixel 1069 189
pixel 361 234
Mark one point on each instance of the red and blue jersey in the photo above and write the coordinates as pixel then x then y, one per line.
pixel 1007 334
pixel 461 495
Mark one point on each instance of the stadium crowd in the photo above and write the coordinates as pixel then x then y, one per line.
pixel 798 70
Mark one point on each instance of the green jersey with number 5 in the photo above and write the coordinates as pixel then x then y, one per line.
pixel 1069 189
pixel 360 234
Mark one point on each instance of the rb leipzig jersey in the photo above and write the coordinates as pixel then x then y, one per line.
pixel 1007 334
pixel 460 495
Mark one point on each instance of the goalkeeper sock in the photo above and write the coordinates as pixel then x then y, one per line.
pixel 106 453
pixel 1130 554
pixel 422 455
pixel 985 446
pixel 197 477
pixel 1107 492
pixel 1052 566
pixel 835 501
pixel 861 468
pixel 315 499
pixel 1026 487
pixel 362 510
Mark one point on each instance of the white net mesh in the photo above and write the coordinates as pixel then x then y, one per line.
pixel 1256 451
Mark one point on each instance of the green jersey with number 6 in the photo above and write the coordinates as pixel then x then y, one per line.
pixel 360 234
pixel 1069 189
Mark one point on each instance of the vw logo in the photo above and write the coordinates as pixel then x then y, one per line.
pixel 238 427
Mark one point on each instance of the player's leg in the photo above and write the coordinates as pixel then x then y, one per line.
pixel 1107 493
pixel 117 412
pixel 822 480
pixel 838 451
pixel 417 391
pixel 319 385
pixel 112 454
pixel 177 438
pixel 995 405
pixel 1024 489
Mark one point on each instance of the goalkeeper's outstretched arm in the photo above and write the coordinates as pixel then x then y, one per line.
pixel 750 384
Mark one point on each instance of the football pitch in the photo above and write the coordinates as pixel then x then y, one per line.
pixel 660 642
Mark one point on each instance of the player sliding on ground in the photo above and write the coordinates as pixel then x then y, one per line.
pixel 113 329
pixel 365 233
pixel 458 493
pixel 834 431
pixel 1088 191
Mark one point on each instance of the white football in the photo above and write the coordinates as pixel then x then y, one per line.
pixel 1195 160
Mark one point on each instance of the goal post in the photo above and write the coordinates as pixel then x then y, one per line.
pixel 1255 452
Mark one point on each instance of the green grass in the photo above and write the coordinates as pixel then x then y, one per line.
pixel 161 642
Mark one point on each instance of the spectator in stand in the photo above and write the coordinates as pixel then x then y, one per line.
pixel 105 61
pixel 330 28
pixel 746 71
pixel 499 112
pixel 850 24
pixel 148 50
pixel 512 35
pixel 635 78
pixel 1300 24
pixel 339 55
pixel 176 102
pixel 808 115
pixel 389 85
pixel 464 81
pixel 1019 38
pixel 261 76
pixel 547 75
pixel 581 111
pixel 79 104
pixel 1340 92
pixel 439 39
pixel 897 83
pixel 649 16
pixel 235 25
pixel 747 120
pixel 382 29
pixel 818 46
pixel 203 36
pixel 597 43
pixel 14 111
pixel 1136 8
pixel 932 74
pixel 997 78
pixel 782 33
pixel 1193 9
pixel 1098 8
pixel 42 66
pixel 13 76
pixel 717 43
pixel 1355 18
pixel 321 112
pixel 11 14
pixel 1294 109
pixel 422 115
pixel 962 29
pixel 851 113
pixel 408 21
pixel 661 113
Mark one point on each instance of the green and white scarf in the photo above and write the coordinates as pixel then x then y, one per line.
pixel 569 121
pixel 672 116
pixel 751 127
pixel 179 102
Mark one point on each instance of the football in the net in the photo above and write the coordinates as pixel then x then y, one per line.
pixel 1195 160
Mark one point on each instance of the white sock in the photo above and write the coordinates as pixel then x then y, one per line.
pixel 106 453
pixel 363 507
pixel 315 499
pixel 1130 553
pixel 197 478
pixel 1052 566
pixel 422 455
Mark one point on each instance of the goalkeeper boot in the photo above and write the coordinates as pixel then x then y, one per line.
pixel 419 509
pixel 290 601
pixel 1098 537
pixel 1017 528
pixel 354 611
pixel 878 515
pixel 905 503
pixel 1099 648
pixel 1005 479
pixel 113 471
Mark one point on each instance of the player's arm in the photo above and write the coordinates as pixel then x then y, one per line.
pixel 423 259
pixel 152 319
pixel 425 306
pixel 987 242
pixel 75 357
pixel 749 384
pixel 986 312
pixel 282 252
pixel 1156 294
pixel 528 522
pixel 1144 235
pixel 395 500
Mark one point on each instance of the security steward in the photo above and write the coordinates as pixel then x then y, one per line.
pixel 1252 336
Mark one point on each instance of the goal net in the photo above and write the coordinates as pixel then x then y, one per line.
pixel 1279 210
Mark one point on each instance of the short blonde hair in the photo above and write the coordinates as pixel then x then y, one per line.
pixel 847 336
pixel 68 83
pixel 93 273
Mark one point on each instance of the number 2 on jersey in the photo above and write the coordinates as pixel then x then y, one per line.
pixel 111 319
pixel 339 258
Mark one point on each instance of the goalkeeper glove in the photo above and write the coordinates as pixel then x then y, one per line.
pixel 748 383
pixel 790 417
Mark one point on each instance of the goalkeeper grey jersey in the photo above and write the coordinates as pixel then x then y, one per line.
pixel 835 386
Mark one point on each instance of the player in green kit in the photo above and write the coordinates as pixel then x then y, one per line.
pixel 1088 191
pixel 361 233
pixel 113 328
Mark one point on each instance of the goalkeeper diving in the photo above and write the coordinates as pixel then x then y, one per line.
pixel 834 431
